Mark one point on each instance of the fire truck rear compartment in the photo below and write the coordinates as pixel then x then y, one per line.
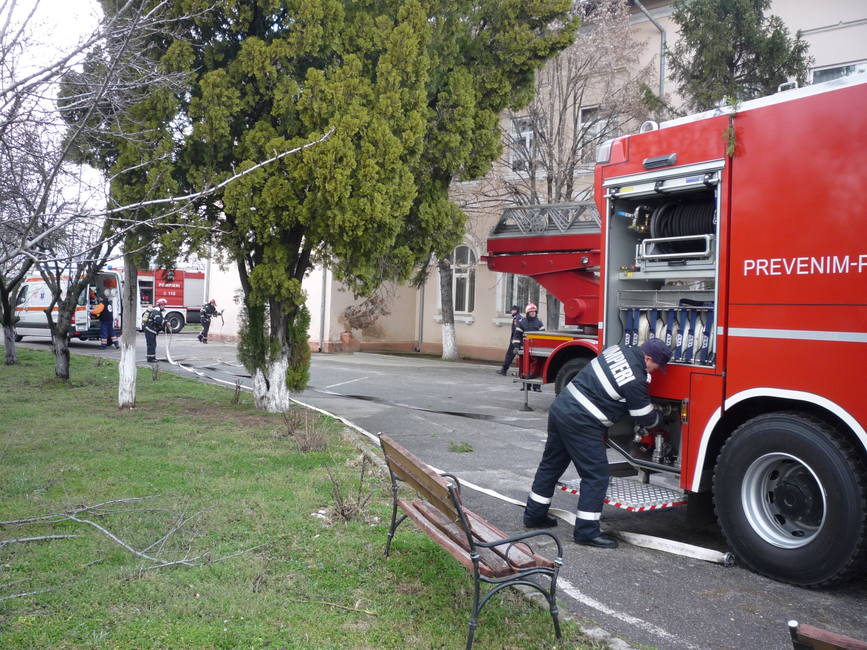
pixel 661 269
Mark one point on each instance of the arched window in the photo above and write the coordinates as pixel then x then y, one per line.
pixel 463 261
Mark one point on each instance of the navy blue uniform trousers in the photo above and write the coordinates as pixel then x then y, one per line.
pixel 573 436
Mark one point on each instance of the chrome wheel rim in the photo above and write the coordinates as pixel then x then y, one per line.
pixel 784 500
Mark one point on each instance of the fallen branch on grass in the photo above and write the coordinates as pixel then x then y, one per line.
pixel 60 516
pixel 38 591
pixel 158 563
pixel 330 604
pixel 20 540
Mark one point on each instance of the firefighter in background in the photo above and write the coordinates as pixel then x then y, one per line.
pixel 529 323
pixel 207 312
pixel 153 322
pixel 611 386
pixel 104 311
pixel 507 361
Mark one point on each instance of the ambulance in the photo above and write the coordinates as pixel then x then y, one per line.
pixel 34 298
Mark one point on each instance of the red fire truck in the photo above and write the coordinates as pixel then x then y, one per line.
pixel 184 290
pixel 734 236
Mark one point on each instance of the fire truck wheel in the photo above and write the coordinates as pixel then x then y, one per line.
pixel 790 494
pixel 175 321
pixel 567 373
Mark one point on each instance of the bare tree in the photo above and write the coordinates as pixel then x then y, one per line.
pixel 107 103
pixel 583 97
pixel 586 95
pixel 52 117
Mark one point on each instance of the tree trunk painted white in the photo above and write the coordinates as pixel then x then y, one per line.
pixel 60 343
pixel 450 341
pixel 270 392
pixel 127 370
pixel 9 345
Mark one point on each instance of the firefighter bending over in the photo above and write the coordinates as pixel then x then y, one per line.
pixel 104 312
pixel 611 386
pixel 153 322
pixel 207 312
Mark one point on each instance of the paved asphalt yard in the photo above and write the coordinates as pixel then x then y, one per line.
pixel 645 597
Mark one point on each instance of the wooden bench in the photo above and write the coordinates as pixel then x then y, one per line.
pixel 807 637
pixel 488 553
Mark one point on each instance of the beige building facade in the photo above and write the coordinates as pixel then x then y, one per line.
pixel 836 31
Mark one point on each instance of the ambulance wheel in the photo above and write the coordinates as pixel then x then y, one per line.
pixel 790 494
pixel 18 338
pixel 568 371
pixel 175 321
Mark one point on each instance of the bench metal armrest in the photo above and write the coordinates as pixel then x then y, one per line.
pixel 523 536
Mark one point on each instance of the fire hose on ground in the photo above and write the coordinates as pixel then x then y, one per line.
pixel 636 539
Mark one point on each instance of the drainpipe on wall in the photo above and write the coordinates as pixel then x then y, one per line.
pixel 322 310
pixel 661 46
pixel 420 318
pixel 208 276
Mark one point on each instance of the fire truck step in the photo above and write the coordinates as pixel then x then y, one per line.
pixel 631 495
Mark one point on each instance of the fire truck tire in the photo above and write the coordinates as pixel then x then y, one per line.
pixel 175 321
pixel 790 494
pixel 567 373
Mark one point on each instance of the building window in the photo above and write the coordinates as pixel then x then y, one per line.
pixel 523 144
pixel 519 290
pixel 593 129
pixel 837 71
pixel 463 261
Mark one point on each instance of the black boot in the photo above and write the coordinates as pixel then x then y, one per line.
pixel 600 541
pixel 546 521
pixel 536 515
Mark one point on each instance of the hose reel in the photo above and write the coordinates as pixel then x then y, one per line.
pixel 681 219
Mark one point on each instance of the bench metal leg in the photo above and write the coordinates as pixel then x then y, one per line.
pixel 474 619
pixel 552 607
pixel 395 522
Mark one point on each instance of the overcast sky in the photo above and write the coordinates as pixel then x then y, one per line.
pixel 58 25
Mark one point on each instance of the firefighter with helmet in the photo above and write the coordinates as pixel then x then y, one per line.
pixel 153 322
pixel 206 313
pixel 529 323
pixel 611 386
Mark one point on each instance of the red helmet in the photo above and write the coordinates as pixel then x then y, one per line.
pixel 530 307
pixel 162 301
pixel 212 302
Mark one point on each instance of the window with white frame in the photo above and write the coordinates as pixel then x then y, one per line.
pixel 523 144
pixel 829 73
pixel 592 127
pixel 518 290
pixel 463 261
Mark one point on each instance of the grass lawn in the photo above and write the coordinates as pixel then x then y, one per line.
pixel 271 563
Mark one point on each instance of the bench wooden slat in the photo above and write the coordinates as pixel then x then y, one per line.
pixel 421 520
pixel 491 564
pixel 520 555
pixel 419 476
pixel 820 639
